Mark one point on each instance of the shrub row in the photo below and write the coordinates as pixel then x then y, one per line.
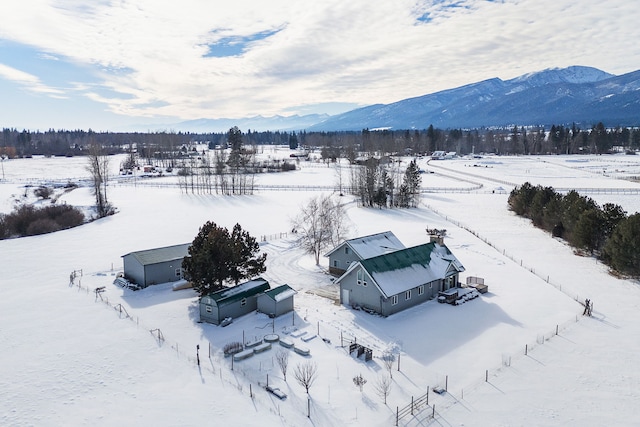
pixel 28 220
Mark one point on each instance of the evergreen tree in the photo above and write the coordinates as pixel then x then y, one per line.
pixel 622 250
pixel 410 188
pixel 573 205
pixel 520 199
pixel 588 233
pixel 293 141
pixel 612 215
pixel 215 256
pixel 245 262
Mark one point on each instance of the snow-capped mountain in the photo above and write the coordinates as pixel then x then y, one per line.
pixel 577 94
pixel 581 95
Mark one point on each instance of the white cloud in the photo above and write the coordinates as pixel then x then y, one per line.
pixel 152 54
pixel 28 81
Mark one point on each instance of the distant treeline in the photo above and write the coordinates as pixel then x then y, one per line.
pixel 557 139
pixel 605 231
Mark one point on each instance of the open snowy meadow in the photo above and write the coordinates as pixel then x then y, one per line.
pixel 521 355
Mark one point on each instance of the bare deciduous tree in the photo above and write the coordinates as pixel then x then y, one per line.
pixel 306 373
pixel 282 357
pixel 383 387
pixel 388 359
pixel 359 381
pixel 320 224
pixel 98 167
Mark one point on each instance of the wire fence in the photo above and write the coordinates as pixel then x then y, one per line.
pixel 217 366
pixel 540 274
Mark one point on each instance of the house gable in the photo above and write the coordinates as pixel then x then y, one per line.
pixel 372 245
pixel 359 248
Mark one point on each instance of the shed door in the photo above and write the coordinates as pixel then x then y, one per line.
pixel 345 296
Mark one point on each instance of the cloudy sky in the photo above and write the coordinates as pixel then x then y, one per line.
pixel 110 64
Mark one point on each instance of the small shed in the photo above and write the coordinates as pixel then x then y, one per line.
pixel 153 266
pixel 232 302
pixel 276 301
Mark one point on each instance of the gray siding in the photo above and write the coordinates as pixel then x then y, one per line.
pixel 162 272
pixel 430 291
pixel 150 274
pixel 209 311
pixel 371 298
pixel 271 307
pixel 133 270
pixel 339 260
pixel 234 309
pixel 364 296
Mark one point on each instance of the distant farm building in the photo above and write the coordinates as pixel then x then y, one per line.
pixel 361 248
pixel 232 302
pixel 153 266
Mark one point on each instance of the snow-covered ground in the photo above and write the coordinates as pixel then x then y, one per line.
pixel 70 357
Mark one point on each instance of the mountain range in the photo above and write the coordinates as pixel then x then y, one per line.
pixel 577 94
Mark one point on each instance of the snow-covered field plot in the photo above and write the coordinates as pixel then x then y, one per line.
pixel 69 358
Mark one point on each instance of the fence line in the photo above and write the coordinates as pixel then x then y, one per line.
pixel 167 343
pixel 507 360
pixel 532 270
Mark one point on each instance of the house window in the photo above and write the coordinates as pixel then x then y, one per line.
pixel 394 300
pixel 407 294
pixel 361 280
pixel 178 272
pixel 420 289
pixel 243 301
pixel 430 285
pixel 335 262
pixel 208 308
pixel 346 250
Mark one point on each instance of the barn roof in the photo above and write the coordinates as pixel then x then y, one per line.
pixel 158 255
pixel 372 245
pixel 238 292
pixel 405 269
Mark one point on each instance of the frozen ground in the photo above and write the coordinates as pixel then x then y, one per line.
pixel 70 358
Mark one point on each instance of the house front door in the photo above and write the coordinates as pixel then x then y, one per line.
pixel 345 296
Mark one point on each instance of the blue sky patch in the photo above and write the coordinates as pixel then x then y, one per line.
pixel 236 45
pixel 52 70
pixel 426 17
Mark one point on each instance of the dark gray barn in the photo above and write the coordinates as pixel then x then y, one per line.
pixel 232 302
pixel 276 301
pixel 153 266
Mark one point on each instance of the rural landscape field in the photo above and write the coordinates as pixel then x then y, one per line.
pixel 522 354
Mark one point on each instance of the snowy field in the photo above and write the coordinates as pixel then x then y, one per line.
pixel 69 357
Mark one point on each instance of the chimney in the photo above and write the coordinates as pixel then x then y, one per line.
pixel 439 239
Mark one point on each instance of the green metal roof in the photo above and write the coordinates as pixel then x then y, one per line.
pixel 400 259
pixel 158 255
pixel 236 293
pixel 280 293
